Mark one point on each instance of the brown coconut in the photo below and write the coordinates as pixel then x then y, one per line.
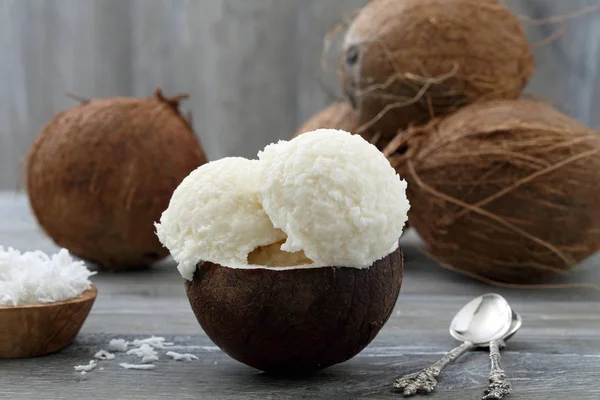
pixel 406 61
pixel 101 173
pixel 294 320
pixel 504 190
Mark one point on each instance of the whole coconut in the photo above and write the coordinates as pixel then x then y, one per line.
pixel 406 61
pixel 504 190
pixel 289 321
pixel 101 173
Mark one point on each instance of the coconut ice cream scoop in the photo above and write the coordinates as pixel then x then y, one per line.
pixel 215 215
pixel 335 196
pixel 291 261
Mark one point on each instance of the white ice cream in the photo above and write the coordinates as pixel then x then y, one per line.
pixel 335 196
pixel 330 197
pixel 215 215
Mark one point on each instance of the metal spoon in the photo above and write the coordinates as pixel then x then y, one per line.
pixel 499 387
pixel 485 319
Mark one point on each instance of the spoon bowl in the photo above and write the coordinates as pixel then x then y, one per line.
pixel 483 319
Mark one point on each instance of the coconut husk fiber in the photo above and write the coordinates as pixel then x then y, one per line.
pixel 338 115
pixel 341 115
pixel 101 173
pixel 407 61
pixel 505 190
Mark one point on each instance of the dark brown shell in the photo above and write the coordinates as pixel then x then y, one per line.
pixel 505 190
pixel 100 174
pixel 425 58
pixel 296 320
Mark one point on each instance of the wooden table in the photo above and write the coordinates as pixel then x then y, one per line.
pixel 556 355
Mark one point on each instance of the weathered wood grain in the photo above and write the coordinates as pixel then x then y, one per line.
pixel 216 376
pixel 554 356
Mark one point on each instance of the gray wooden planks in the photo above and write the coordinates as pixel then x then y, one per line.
pixel 554 356
pixel 215 376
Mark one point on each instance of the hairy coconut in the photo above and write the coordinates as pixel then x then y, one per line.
pixel 101 173
pixel 505 190
pixel 406 61
pixel 294 320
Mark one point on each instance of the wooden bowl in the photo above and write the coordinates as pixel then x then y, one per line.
pixel 36 330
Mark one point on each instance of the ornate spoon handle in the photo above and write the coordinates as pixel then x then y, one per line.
pixel 499 387
pixel 424 380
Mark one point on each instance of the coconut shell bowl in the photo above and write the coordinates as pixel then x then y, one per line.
pixel 37 330
pixel 296 321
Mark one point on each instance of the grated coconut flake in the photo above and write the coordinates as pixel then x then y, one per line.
pixel 118 345
pixel 155 341
pixel 86 368
pixel 137 366
pixel 181 357
pixel 145 351
pixel 33 277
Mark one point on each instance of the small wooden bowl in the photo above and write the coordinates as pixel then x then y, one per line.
pixel 37 330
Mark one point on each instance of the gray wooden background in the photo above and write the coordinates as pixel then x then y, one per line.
pixel 251 67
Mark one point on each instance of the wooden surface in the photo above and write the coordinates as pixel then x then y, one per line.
pixel 554 356
pixel 251 67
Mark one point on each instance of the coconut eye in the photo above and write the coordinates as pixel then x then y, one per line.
pixel 352 55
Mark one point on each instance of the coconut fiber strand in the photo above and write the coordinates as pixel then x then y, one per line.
pixel 506 190
pixel 340 115
pixel 101 173
pixel 406 61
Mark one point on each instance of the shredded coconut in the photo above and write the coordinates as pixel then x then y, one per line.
pixel 181 357
pixel 104 355
pixel 215 215
pixel 145 351
pixel 118 345
pixel 155 341
pixel 137 366
pixel 149 359
pixel 33 277
pixel 86 368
